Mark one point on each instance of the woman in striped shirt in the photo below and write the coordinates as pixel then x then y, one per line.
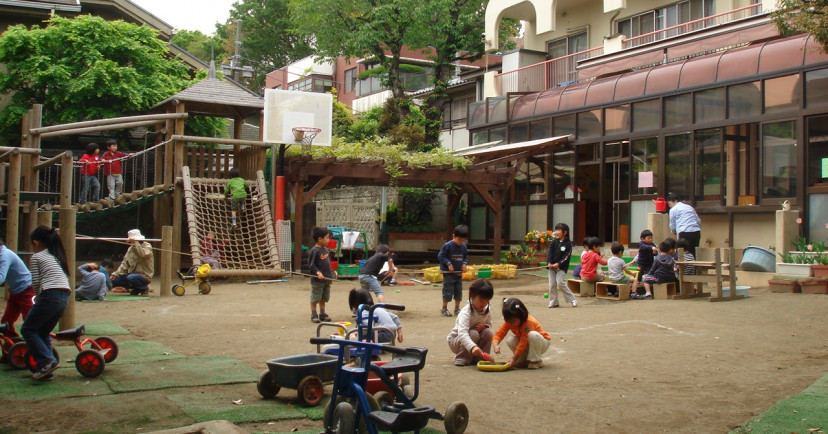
pixel 51 285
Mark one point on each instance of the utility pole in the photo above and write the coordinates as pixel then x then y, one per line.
pixel 235 68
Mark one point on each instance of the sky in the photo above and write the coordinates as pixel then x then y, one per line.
pixel 189 14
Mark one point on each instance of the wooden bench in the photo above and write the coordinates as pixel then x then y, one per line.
pixel 664 291
pixel 622 289
pixel 581 288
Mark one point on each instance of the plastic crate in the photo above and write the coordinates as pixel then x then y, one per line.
pixel 348 270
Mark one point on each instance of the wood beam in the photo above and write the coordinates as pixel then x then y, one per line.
pixel 490 202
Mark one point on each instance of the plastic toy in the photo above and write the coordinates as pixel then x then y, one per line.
pixel 90 362
pixel 7 341
pixel 352 409
pixel 200 277
pixel 493 366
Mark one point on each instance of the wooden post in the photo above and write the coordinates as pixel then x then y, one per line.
pixel 44 218
pixel 498 223
pixel 166 261
pixel 66 181
pixel 66 222
pixel 30 175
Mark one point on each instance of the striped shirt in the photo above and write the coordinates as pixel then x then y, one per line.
pixel 46 272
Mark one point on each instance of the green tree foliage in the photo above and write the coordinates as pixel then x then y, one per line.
pixel 200 45
pixel 360 29
pixel 803 16
pixel 84 68
pixel 269 37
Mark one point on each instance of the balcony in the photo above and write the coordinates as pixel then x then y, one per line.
pixel 693 26
pixel 565 70
pixel 541 76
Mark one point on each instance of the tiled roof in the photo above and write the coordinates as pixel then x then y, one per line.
pixel 214 97
pixel 70 5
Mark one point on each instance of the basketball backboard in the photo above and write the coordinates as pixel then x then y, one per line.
pixel 286 109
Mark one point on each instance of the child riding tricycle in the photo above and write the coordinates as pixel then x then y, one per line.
pixel 351 408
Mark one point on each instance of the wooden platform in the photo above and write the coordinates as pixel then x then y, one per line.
pixel 602 290
pixel 710 272
pixel 664 291
pixel 581 288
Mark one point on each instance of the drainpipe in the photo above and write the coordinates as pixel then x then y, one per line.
pixel 612 18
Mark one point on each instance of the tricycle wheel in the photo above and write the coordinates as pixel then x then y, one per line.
pixel 204 288
pixel 109 348
pixel 17 355
pixel 310 391
pixel 178 290
pixel 90 363
pixel 31 364
pixel 266 386
pixel 384 399
pixel 343 419
pixel 456 419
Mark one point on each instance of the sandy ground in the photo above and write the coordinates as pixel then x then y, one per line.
pixel 633 366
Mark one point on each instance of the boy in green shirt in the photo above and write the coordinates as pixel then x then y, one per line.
pixel 236 190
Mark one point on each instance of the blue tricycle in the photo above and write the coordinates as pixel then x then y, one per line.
pixel 352 409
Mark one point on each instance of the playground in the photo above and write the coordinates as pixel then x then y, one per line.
pixel 623 366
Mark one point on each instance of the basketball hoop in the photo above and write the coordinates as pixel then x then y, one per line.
pixel 305 135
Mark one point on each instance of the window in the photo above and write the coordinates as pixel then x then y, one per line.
pixel 710 105
pixel 782 93
pixel 370 84
pixel 647 115
pixel 744 100
pixel 817 150
pixel 709 175
pixel 666 17
pixel 678 110
pixel 303 85
pixel 617 119
pixel 350 80
pixel 779 159
pixel 564 125
pixel 645 159
pixel 563 174
pixel 539 130
pixel 589 124
pixel 322 85
pixel 816 86
pixel 677 171
pixel 518 133
pixel 565 70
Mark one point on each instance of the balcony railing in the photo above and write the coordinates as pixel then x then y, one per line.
pixel 544 75
pixel 692 26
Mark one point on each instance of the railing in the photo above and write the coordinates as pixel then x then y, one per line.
pixel 691 26
pixel 544 75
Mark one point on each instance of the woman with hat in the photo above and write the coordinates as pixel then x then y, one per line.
pixel 137 268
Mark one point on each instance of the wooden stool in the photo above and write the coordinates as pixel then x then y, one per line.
pixel 664 291
pixel 581 288
pixel 622 289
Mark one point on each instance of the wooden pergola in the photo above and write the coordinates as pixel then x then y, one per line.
pixel 490 175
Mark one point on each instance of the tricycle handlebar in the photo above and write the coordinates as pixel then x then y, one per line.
pixel 344 342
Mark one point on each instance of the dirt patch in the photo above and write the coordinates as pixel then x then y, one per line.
pixel 633 366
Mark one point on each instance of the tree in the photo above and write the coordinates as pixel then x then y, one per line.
pixel 84 68
pixel 803 16
pixel 200 45
pixel 377 29
pixel 269 37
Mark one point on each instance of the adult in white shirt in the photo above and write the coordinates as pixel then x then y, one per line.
pixel 684 221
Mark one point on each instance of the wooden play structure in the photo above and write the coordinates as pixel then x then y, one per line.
pixel 711 272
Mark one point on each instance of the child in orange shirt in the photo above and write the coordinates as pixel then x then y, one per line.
pixel 528 341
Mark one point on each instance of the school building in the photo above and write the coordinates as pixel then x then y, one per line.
pixel 703 98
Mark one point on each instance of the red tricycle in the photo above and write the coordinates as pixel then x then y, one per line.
pixel 90 362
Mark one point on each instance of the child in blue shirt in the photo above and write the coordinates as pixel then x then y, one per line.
pixel 16 276
pixel 453 257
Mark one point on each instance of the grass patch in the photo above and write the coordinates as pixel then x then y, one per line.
pixel 186 372
pixel 801 413
pixel 18 385
pixel 218 406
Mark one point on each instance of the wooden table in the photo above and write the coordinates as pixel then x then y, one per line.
pixel 711 272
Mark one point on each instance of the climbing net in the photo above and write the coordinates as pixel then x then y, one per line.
pixel 138 174
pixel 249 250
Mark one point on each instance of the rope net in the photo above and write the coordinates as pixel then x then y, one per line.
pixel 249 250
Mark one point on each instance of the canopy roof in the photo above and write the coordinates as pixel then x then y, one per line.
pixel 214 97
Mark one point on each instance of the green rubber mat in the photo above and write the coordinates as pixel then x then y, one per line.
pixel 803 413
pixel 128 352
pixel 93 329
pixel 187 372
pixel 117 297
pixel 18 385
pixel 217 406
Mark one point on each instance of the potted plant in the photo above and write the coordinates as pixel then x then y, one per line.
pixel 523 257
pixel 539 241
pixel 814 286
pixel 783 284
pixel 807 248
pixel 795 264
pixel 821 265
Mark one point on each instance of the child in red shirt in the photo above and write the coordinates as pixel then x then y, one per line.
pixel 89 173
pixel 590 261
pixel 112 169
